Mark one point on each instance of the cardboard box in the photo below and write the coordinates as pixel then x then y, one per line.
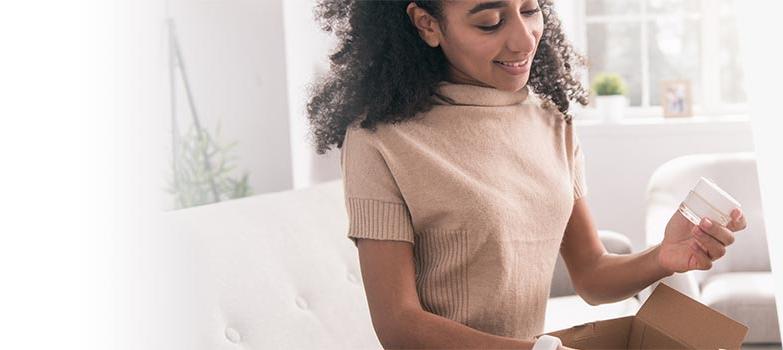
pixel 667 320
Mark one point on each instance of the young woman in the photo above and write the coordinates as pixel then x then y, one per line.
pixel 463 175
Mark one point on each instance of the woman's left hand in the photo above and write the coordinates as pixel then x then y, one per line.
pixel 688 247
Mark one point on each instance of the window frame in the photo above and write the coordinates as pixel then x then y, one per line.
pixel 711 103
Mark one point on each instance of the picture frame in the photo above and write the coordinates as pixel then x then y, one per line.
pixel 676 98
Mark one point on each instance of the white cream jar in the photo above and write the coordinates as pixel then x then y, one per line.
pixel 708 200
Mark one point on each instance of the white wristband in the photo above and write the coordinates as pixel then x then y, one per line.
pixel 547 342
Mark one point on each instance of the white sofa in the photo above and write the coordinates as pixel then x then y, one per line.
pixel 740 284
pixel 276 271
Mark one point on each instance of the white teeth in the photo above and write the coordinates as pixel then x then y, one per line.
pixel 513 64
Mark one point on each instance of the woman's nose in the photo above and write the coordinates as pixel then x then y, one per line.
pixel 521 38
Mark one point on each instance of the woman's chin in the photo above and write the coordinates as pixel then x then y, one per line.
pixel 511 86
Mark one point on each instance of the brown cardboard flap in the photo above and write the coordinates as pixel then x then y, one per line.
pixel 688 321
pixel 644 336
pixel 606 334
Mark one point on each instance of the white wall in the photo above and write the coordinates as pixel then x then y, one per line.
pixel 571 17
pixel 764 73
pixel 235 57
pixel 307 49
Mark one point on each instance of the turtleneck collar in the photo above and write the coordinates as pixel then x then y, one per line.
pixel 474 95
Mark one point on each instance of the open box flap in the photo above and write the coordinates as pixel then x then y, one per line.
pixel 604 334
pixel 691 322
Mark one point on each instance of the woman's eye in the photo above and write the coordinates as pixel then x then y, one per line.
pixel 531 12
pixel 491 28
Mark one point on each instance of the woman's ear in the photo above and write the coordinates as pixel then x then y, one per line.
pixel 426 25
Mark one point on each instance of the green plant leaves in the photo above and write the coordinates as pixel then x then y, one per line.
pixel 201 171
pixel 606 84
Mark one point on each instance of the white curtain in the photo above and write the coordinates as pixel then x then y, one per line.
pixel 760 28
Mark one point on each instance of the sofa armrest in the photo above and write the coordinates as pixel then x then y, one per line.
pixel 614 242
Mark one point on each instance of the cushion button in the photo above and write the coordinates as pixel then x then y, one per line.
pixel 352 278
pixel 301 303
pixel 233 336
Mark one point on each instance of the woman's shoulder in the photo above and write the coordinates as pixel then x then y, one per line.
pixel 358 136
pixel 548 111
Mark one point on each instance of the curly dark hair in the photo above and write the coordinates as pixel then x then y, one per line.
pixel 383 70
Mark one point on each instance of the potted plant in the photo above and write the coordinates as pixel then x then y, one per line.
pixel 610 96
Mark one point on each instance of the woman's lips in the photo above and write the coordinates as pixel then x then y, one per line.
pixel 514 70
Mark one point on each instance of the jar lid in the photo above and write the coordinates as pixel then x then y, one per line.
pixel 715 196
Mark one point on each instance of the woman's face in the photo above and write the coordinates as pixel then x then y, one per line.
pixel 479 34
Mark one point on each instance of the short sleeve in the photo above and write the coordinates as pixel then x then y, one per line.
pixel 374 203
pixel 579 178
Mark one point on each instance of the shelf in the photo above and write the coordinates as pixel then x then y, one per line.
pixel 727 125
pixel 738 118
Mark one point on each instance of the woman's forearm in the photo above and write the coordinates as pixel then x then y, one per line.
pixel 615 277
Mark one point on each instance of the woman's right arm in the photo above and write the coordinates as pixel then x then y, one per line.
pixel 388 274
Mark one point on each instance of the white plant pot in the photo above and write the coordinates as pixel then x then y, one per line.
pixel 611 108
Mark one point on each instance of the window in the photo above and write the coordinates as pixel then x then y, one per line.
pixel 650 41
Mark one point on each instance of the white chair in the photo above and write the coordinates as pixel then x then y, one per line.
pixel 276 271
pixel 740 284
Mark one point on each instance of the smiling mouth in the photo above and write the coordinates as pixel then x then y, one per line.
pixel 516 64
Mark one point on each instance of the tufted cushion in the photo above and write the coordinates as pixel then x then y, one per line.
pixel 275 271
pixel 748 297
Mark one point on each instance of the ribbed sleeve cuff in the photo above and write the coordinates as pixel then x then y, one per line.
pixel 374 219
pixel 580 182
pixel 580 188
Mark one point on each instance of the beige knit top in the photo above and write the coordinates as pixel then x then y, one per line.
pixel 483 189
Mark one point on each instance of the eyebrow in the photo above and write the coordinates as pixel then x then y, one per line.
pixel 487 6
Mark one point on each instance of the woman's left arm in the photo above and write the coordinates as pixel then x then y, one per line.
pixel 600 277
